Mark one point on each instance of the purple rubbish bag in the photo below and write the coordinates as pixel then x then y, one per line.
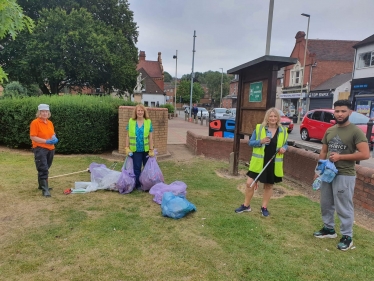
pixel 158 190
pixel 126 181
pixel 151 174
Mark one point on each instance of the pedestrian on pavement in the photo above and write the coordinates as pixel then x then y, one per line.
pixel 195 111
pixel 342 144
pixel 269 138
pixel 139 140
pixel 43 138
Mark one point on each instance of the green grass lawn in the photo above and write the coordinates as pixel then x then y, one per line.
pixel 107 236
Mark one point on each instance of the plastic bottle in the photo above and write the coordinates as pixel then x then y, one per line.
pixel 130 154
pixel 317 183
pixel 268 135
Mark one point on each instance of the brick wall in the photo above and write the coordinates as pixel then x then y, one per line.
pixel 159 117
pixel 299 164
pixel 328 69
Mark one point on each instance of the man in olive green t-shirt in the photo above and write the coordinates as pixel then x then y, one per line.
pixel 343 144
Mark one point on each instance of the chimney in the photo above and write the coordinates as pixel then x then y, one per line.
pixel 159 59
pixel 300 36
pixel 142 56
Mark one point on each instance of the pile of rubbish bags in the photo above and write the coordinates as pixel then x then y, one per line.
pixel 172 197
pixel 103 178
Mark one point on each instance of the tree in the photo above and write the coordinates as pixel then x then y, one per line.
pixel 184 91
pixel 213 83
pixel 198 77
pixel 113 13
pixel 12 21
pixel 72 49
pixel 167 77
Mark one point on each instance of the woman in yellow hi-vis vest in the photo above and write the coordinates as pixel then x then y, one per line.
pixel 139 139
pixel 267 138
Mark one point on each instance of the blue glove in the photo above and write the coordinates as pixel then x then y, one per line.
pixel 52 140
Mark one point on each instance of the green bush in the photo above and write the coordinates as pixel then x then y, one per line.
pixel 14 90
pixel 33 90
pixel 83 124
pixel 169 107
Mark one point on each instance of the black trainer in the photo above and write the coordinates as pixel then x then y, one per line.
pixel 265 212
pixel 345 243
pixel 325 233
pixel 242 209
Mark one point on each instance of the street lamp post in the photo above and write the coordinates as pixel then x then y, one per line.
pixel 221 86
pixel 175 85
pixel 302 79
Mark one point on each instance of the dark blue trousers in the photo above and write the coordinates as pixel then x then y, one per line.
pixel 43 161
pixel 139 159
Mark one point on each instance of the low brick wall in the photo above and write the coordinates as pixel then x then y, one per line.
pixel 159 118
pixel 299 164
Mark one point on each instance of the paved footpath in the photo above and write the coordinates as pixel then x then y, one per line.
pixel 177 129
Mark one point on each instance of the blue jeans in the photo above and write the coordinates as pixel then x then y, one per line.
pixel 139 159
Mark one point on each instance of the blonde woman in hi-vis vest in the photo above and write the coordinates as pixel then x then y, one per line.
pixel 139 140
pixel 268 139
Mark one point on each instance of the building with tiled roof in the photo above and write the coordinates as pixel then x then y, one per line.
pixel 153 92
pixel 324 59
pixel 336 88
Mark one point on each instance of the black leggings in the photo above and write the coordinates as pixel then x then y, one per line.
pixel 43 161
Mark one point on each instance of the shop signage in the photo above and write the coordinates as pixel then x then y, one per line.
pixel 255 92
pixel 290 96
pixel 363 83
pixel 321 95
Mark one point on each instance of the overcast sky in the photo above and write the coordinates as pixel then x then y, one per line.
pixel 232 32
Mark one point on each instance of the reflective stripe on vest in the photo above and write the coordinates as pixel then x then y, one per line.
pixel 132 134
pixel 257 159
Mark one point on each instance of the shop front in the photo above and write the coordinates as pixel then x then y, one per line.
pixel 290 104
pixel 321 99
pixel 363 96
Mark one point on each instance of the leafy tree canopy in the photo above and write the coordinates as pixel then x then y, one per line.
pixel 167 77
pixel 72 49
pixel 113 13
pixel 12 21
pixel 212 80
pixel 184 91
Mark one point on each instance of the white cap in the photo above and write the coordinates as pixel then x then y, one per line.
pixel 43 106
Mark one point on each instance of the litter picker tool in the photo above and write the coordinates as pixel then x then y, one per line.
pixel 267 164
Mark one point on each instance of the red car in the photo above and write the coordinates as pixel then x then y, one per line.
pixel 317 121
pixel 286 122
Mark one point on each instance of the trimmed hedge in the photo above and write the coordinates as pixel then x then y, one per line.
pixel 83 124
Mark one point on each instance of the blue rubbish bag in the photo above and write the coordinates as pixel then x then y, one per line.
pixel 175 206
pixel 326 171
pixel 329 172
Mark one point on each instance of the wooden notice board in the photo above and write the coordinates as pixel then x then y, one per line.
pixel 253 108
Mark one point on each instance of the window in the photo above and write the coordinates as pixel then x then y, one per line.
pixel 317 115
pixel 328 117
pixel 365 60
pixel 146 104
pixel 296 74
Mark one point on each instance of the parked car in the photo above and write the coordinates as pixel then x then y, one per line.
pixel 316 122
pixel 230 112
pixel 217 113
pixel 202 112
pixel 286 122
